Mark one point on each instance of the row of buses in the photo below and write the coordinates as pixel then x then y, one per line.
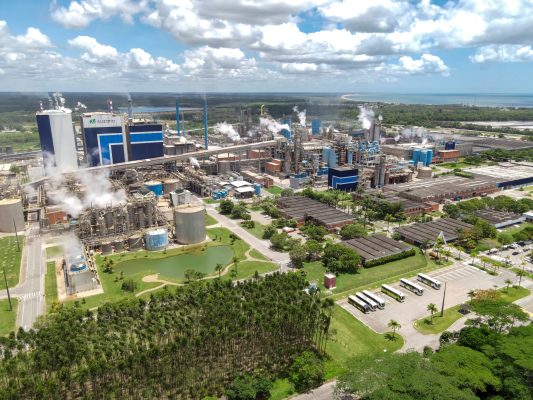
pixel 367 301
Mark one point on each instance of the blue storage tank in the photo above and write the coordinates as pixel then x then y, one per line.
pixel 423 157
pixel 429 158
pixel 285 132
pixel 156 239
pixel 257 188
pixel 155 186
pixel 416 156
pixel 316 124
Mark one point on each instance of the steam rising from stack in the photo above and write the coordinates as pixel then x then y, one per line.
pixel 272 126
pixel 227 130
pixel 57 101
pixel 194 162
pixel 365 117
pixel 80 106
pixel 301 115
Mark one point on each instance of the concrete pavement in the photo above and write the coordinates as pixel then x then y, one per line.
pixel 324 392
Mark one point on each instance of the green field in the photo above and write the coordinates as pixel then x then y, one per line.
pixel 10 259
pixel 209 220
pixel 513 293
pixel 257 230
pixel 247 269
pixel 440 324
pixel 54 251
pixel 514 229
pixel 256 254
pixel 274 190
pixel 7 318
pixel 369 277
pixel 50 284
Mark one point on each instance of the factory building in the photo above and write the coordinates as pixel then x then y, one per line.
pixel 343 178
pixel 56 134
pixel 109 138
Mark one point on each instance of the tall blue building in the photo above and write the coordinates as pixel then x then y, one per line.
pixel 287 132
pixel 109 138
pixel 343 178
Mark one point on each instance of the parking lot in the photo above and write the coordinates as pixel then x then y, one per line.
pixel 516 255
pixel 459 281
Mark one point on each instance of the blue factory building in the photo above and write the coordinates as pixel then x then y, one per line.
pixel 285 132
pixel 145 141
pixel 316 124
pixel 343 178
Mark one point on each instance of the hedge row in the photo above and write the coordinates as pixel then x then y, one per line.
pixel 392 257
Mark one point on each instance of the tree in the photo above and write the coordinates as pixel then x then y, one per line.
pixel 307 371
pixel 287 192
pixel 246 387
pixel 315 232
pixel 505 238
pixel 508 283
pixel 226 206
pixel 520 273
pixel 394 325
pixel 496 313
pixel 219 268
pixel 338 258
pixel 432 308
pixel 352 231
pixel 313 249
pixel 239 211
pixel 269 231
pixel 471 294
pixel 129 285
pixel 279 241
pixel 388 218
pixel 298 254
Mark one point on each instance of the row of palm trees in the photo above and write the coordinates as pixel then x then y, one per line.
pixel 187 343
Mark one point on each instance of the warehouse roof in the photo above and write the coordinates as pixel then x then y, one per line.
pixel 418 233
pixel 496 217
pixel 300 207
pixel 245 189
pixel 238 184
pixel 376 246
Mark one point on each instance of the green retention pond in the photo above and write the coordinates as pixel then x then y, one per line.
pixel 175 266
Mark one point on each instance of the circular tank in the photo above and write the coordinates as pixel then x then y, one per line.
pixel 424 173
pixel 170 185
pixel 184 197
pixel 106 247
pixel 135 242
pixel 118 245
pixel 189 224
pixel 155 186
pixel 156 239
pixel 11 215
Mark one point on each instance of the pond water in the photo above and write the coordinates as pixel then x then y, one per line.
pixel 175 266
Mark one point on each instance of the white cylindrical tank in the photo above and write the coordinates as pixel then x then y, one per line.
pixel 11 215
pixel 56 134
pixel 189 224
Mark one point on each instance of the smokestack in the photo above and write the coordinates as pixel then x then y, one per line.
pixel 206 138
pixel 178 117
pixel 130 109
pixel 110 105
pixel 41 108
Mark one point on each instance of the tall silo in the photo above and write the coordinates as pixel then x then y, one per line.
pixel 11 216
pixel 56 134
pixel 189 224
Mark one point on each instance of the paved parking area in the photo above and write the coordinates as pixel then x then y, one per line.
pixel 459 279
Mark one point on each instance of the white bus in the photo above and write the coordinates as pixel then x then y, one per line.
pixel 395 294
pixel 413 287
pixel 359 304
pixel 368 301
pixel 378 300
pixel 428 280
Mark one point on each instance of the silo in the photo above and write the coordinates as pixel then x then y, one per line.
pixel 106 247
pixel 11 215
pixel 156 239
pixel 429 157
pixel 423 157
pixel 170 185
pixel 189 224
pixel 184 197
pixel 155 187
pixel 135 242
pixel 257 188
pixel 416 156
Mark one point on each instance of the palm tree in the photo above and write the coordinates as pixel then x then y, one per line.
pixel 424 245
pixel 471 294
pixel 388 218
pixel 219 267
pixel 394 325
pixel 432 308
pixel 508 283
pixel 235 262
pixel 520 273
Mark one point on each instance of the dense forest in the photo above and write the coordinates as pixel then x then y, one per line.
pixel 189 343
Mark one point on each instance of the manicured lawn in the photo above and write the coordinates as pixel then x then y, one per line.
pixel 257 230
pixel 514 293
pixel 50 284
pixel 209 220
pixel 368 277
pixel 350 338
pixel 7 318
pixel 440 324
pixel 515 229
pixel 256 254
pixel 54 251
pixel 246 269
pixel 209 200
pixel 486 244
pixel 10 259
pixel 274 190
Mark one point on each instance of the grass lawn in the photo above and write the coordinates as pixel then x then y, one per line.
pixel 257 230
pixel 256 254
pixel 50 284
pixel 7 318
pixel 514 229
pixel 54 251
pixel 513 293
pixel 486 244
pixel 274 190
pixel 369 277
pixel 209 200
pixel 10 259
pixel 440 324
pixel 246 269
pixel 209 220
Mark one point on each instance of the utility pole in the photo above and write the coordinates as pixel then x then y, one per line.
pixel 443 298
pixel 7 289
pixel 16 235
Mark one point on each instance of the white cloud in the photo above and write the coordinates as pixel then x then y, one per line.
pixel 223 62
pixel 299 68
pixel 425 65
pixel 503 53
pixel 95 53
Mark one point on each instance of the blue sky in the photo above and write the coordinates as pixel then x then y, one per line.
pixel 268 45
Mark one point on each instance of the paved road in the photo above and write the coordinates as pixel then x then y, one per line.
pixel 30 292
pixel 324 392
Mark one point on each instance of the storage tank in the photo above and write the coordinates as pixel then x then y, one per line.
pixel 135 242
pixel 156 239
pixel 155 187
pixel 424 173
pixel 416 156
pixel 189 224
pixel 257 188
pixel 423 157
pixel 315 126
pixel 11 215
pixel 118 245
pixel 184 197
pixel 170 185
pixel 106 247
pixel 429 158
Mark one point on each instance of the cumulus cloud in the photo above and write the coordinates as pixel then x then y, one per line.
pixel 94 52
pixel 503 53
pixel 208 61
pixel 427 64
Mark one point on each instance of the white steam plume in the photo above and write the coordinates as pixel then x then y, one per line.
pixel 227 130
pixel 272 126
pixel 97 189
pixel 71 245
pixel 301 115
pixel 80 106
pixel 194 162
pixel 57 101
pixel 366 116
